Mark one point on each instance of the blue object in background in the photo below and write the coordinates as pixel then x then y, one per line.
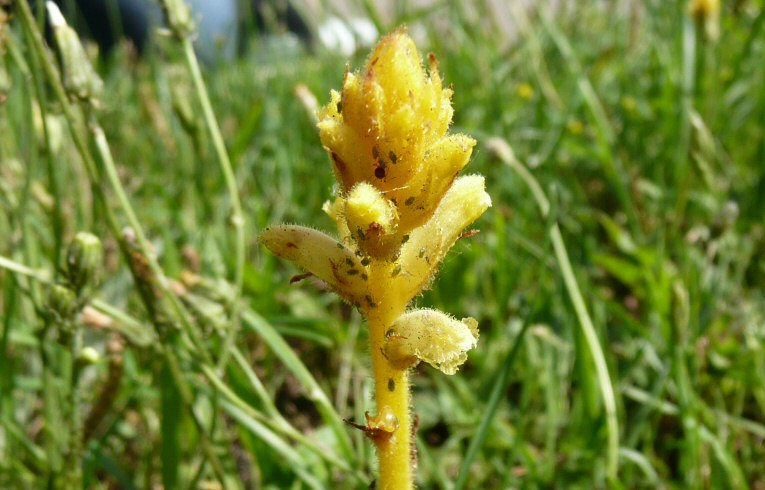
pixel 218 28
pixel 218 23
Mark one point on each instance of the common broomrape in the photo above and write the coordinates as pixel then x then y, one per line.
pixel 401 206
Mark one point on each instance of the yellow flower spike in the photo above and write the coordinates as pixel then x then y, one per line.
pixel 399 209
pixel 322 256
pixel 431 336
pixel 372 219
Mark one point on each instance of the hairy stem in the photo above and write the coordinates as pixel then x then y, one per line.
pixel 391 386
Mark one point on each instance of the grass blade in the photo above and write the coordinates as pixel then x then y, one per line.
pixel 505 153
pixel 313 391
pixel 500 387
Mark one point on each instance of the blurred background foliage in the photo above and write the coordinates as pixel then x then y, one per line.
pixel 643 123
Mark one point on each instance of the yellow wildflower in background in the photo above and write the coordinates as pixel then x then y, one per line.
pixel 704 8
pixel 707 14
pixel 524 91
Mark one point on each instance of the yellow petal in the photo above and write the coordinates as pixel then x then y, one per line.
pixel 322 256
pixel 330 110
pixel 396 66
pixel 431 336
pixel 448 156
pixel 347 152
pixel 421 255
pixel 442 162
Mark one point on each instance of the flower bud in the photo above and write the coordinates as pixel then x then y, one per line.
pixel 83 261
pixel 89 355
pixel 371 219
pixel 179 18
pixel 80 80
pixel 62 302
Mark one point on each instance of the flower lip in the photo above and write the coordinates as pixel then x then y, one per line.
pixel 431 336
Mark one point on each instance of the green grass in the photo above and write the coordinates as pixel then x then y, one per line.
pixel 644 136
